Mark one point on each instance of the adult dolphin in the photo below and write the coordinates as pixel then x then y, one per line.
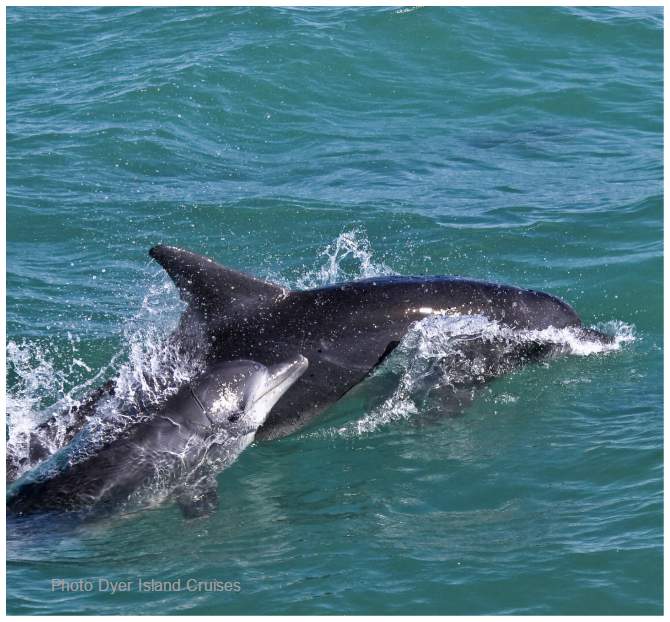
pixel 345 330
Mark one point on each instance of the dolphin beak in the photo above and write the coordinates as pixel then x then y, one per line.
pixel 281 376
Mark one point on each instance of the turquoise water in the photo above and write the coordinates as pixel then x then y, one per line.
pixel 307 146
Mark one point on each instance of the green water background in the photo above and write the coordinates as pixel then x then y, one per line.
pixel 518 145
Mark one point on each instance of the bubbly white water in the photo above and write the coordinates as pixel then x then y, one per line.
pixel 149 366
pixel 434 352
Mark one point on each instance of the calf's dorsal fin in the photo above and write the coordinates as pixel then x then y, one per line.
pixel 208 286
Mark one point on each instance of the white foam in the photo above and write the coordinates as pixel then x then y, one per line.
pixel 433 355
pixel 148 366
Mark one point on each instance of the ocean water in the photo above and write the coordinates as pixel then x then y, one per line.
pixel 315 145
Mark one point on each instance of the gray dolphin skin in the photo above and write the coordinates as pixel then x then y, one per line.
pixel 344 330
pixel 176 451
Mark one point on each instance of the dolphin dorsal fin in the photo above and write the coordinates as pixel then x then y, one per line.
pixel 209 286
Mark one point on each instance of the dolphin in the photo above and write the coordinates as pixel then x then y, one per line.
pixel 176 451
pixel 345 330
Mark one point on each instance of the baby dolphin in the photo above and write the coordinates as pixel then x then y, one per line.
pixel 179 450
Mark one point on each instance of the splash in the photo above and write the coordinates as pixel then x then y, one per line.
pixel 348 257
pixel 38 378
pixel 147 368
pixel 443 357
pixel 157 364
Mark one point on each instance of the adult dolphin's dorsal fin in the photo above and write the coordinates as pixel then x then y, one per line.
pixel 209 286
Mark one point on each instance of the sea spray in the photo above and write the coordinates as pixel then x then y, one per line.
pixel 350 256
pixel 148 367
pixel 435 358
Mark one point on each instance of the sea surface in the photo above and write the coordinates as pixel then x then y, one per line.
pixel 311 146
